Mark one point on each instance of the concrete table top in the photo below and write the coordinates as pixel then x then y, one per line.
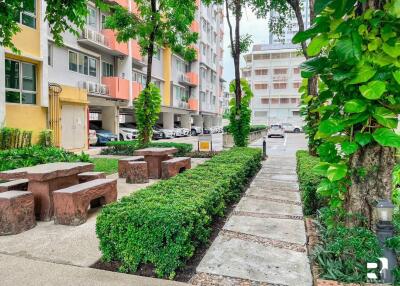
pixel 47 171
pixel 154 151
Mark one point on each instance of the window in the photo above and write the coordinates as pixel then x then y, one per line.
pixel 261 56
pixel 50 55
pixel 20 82
pixel 293 100
pixel 82 63
pixel 261 72
pixel 296 85
pixel 92 17
pixel 296 70
pixel 280 85
pixel 284 100
pixel 139 78
pixel 202 96
pixel 260 86
pixel 180 65
pixel 157 53
pixel 107 69
pixel 103 21
pixel 280 71
pixel 265 100
pixel 296 113
pixel 28 16
pixel 275 100
pixel 280 55
pixel 246 73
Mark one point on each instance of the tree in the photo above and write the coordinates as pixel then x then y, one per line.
pixel 60 15
pixel 358 63
pixel 157 23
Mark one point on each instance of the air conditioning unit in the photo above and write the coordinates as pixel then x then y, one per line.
pixel 184 78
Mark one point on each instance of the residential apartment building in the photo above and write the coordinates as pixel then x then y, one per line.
pixel 273 71
pixel 95 79
pixel 274 74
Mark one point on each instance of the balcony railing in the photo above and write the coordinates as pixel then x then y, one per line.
pixel 189 79
pixel 118 87
pixel 118 48
pixel 193 104
pixel 123 3
pixel 95 37
pixel 195 27
pixel 105 41
pixel 136 89
pixel 94 88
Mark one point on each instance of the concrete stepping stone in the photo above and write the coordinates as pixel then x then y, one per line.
pixel 250 260
pixel 287 230
pixel 263 192
pixel 248 204
pixel 278 177
pixel 258 182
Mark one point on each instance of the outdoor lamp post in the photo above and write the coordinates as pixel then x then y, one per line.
pixel 384 230
pixel 264 148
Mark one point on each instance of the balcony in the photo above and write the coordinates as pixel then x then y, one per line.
pixel 193 104
pixel 123 3
pixel 195 27
pixel 136 89
pixel 136 56
pixel 118 87
pixel 94 88
pixel 189 79
pixel 105 41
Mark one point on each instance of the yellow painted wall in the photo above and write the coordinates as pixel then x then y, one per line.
pixel 167 76
pixel 28 39
pixel 27 117
pixel 73 94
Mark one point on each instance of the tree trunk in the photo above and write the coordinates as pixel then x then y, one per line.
pixel 236 59
pixel 371 169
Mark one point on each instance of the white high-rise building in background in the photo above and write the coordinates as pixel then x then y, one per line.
pixel 273 71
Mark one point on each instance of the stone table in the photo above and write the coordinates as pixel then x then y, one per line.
pixel 46 178
pixel 154 157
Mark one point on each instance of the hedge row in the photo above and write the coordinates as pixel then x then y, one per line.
pixel 31 156
pixel 253 128
pixel 128 147
pixel 163 224
pixel 308 182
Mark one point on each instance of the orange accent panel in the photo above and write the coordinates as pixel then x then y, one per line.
pixel 197 3
pixel 193 104
pixel 195 28
pixel 118 87
pixel 123 3
pixel 136 50
pixel 193 78
pixel 113 43
pixel 134 7
pixel 136 89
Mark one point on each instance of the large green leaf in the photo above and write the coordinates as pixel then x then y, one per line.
pixel 396 76
pixel 347 50
pixel 349 148
pixel 393 51
pixel 342 7
pixel 320 5
pixel 363 74
pixel 385 117
pixel 321 168
pixel 316 44
pixel 314 65
pixel 336 172
pixel 387 137
pixel 330 126
pixel 373 90
pixel 363 138
pixel 317 28
pixel 355 106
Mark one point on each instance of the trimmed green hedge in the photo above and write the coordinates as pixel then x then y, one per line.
pixel 164 223
pixel 128 147
pixel 308 182
pixel 31 156
pixel 253 128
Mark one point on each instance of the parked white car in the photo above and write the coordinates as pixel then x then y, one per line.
pixel 166 133
pixel 288 127
pixel 196 130
pixel 179 132
pixel 127 132
pixel 276 131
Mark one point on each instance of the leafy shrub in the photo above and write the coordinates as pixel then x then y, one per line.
pixel 344 252
pixel 308 182
pixel 253 128
pixel 14 138
pixel 164 223
pixel 46 138
pixel 31 156
pixel 202 154
pixel 128 147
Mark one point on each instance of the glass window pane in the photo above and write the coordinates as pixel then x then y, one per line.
pixel 73 61
pixel 28 98
pixel 28 20
pixel 85 65
pixel 12 96
pixel 92 67
pixel 12 74
pixel 50 55
pixel 91 21
pixel 28 77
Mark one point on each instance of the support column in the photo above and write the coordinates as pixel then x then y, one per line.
pixel 186 121
pixel 207 122
pixel 167 77
pixel 198 120
pixel 110 118
pixel 168 120
pixel 2 88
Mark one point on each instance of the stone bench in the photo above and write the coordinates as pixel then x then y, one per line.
pixel 137 172
pixel 90 176
pixel 123 164
pixel 20 185
pixel 172 167
pixel 71 204
pixel 17 212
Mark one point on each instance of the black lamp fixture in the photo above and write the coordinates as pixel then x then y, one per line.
pixel 385 230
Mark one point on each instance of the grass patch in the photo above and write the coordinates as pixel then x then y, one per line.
pixel 107 165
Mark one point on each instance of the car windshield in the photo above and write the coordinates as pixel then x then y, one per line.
pixel 275 127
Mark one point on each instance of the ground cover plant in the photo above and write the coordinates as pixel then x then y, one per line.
pixel 107 165
pixel 128 147
pixel 163 224
pixel 31 156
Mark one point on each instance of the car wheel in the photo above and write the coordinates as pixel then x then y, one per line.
pixel 296 130
pixel 163 136
pixel 121 138
pixel 269 136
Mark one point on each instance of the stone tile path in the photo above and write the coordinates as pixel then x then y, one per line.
pixel 263 242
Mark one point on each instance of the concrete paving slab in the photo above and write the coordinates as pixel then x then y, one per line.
pixel 274 184
pixel 273 228
pixel 263 192
pixel 249 260
pixel 19 271
pixel 277 170
pixel 278 177
pixel 248 204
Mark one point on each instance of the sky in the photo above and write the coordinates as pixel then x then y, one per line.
pixel 249 25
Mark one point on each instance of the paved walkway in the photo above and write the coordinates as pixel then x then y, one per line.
pixel 263 242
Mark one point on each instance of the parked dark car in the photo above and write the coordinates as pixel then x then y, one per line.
pixel 103 136
pixel 157 134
